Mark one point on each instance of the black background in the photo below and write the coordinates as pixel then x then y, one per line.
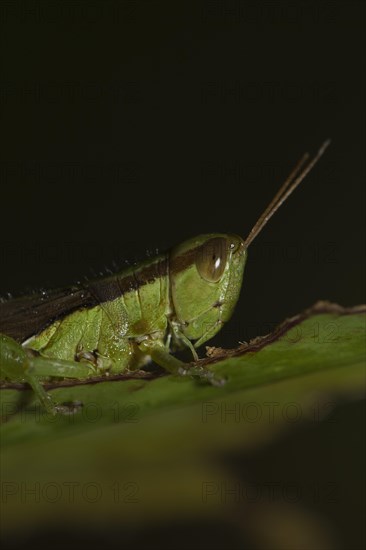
pixel 130 126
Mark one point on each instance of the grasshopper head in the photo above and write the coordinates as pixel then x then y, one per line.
pixel 207 271
pixel 206 275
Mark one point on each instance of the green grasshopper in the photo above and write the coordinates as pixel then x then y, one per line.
pixel 117 324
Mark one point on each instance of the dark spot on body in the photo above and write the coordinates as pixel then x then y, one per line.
pixel 141 327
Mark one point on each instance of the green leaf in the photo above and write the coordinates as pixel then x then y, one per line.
pixel 148 445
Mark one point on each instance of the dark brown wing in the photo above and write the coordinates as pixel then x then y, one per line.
pixel 23 317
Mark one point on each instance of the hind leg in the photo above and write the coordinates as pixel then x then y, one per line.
pixel 17 366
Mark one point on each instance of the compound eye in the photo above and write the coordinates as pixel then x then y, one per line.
pixel 211 259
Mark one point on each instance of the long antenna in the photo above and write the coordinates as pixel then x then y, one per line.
pixel 285 191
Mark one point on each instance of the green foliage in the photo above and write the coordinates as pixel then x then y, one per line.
pixel 165 435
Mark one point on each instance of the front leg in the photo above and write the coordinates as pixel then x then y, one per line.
pixel 164 359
